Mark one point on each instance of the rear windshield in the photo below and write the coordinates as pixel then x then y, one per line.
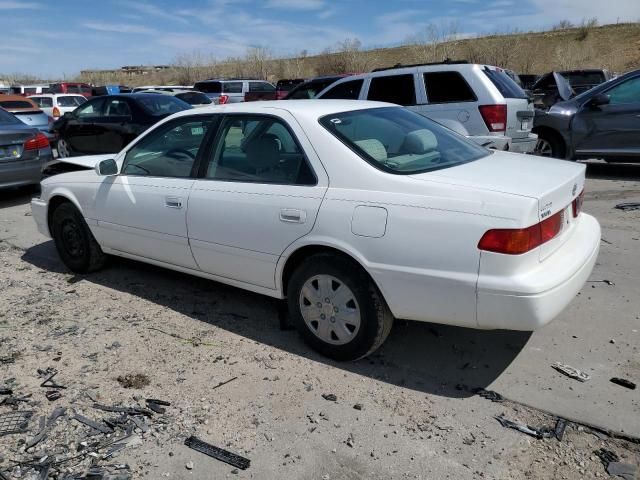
pixel 400 141
pixel 73 101
pixel 287 85
pixel 162 104
pixel 208 87
pixel 16 104
pixel 310 90
pixel 8 119
pixel 505 85
pixel 194 98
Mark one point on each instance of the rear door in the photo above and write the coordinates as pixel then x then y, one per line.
pixel 400 88
pixel 520 111
pixel 258 192
pixel 611 130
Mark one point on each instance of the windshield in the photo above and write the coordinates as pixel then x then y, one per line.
pixel 7 119
pixel 399 141
pixel 162 104
pixel 208 87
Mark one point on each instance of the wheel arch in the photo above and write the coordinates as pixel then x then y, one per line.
pixel 552 132
pixel 57 198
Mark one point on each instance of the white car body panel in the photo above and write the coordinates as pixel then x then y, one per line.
pixel 416 235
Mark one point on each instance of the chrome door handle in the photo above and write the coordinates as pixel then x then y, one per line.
pixel 290 215
pixel 173 202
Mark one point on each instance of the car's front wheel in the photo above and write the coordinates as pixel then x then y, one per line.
pixel 549 145
pixel 337 308
pixel 62 147
pixel 74 241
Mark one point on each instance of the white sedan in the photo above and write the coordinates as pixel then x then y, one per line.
pixel 355 212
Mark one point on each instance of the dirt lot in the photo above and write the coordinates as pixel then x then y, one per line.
pixel 409 411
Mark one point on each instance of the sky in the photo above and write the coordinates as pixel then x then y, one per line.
pixel 56 38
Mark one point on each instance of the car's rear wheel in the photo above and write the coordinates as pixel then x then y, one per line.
pixel 337 308
pixel 62 147
pixel 74 241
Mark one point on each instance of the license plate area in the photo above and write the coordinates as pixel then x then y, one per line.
pixel 10 152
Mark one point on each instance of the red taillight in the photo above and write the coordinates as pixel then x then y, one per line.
pixel 37 142
pixel 577 204
pixel 515 241
pixel 495 117
pixel 56 112
pixel 222 99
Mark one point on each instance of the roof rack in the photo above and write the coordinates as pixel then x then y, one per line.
pixel 447 61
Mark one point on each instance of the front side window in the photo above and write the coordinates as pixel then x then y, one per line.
pixel 399 141
pixel 447 87
pixel 258 149
pixel 117 108
pixel 344 91
pixel 169 151
pixel 93 108
pixel 626 92
pixel 398 89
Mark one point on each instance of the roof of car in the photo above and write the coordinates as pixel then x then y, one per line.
pixel 55 95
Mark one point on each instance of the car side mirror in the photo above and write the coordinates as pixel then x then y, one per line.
pixel 107 168
pixel 599 100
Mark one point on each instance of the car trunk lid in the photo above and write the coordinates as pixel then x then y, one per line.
pixel 553 183
pixel 34 118
pixel 12 144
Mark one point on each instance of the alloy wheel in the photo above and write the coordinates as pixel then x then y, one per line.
pixel 544 148
pixel 62 148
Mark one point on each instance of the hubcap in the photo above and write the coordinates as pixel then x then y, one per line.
pixel 63 149
pixel 330 309
pixel 543 148
pixel 72 239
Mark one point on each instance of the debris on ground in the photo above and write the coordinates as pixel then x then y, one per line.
pixel 218 453
pixel 330 397
pixel 608 282
pixel 519 427
pixel 224 383
pixel 623 382
pixel 628 206
pixel 561 426
pixel 542 432
pixel 134 380
pixel 570 371
pixel 48 382
pixel 489 395
pixel 15 422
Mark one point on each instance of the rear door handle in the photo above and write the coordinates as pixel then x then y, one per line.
pixel 291 215
pixel 173 202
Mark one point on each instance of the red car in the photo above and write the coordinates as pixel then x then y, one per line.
pixel 71 87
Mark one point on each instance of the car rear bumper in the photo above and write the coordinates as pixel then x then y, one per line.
pixel 21 172
pixel 524 145
pixel 527 301
pixel 39 214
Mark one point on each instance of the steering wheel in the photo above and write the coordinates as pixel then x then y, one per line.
pixel 175 152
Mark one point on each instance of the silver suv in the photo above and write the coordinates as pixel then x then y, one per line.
pixel 236 90
pixel 478 101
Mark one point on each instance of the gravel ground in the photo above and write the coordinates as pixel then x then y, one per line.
pixel 132 332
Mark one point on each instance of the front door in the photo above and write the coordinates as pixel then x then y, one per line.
pixel 259 191
pixel 113 126
pixel 80 131
pixel 612 130
pixel 142 211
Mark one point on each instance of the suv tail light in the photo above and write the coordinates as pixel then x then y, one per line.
pixel 577 204
pixel 222 99
pixel 56 112
pixel 37 142
pixel 494 116
pixel 515 241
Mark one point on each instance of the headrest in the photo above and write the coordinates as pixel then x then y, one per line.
pixel 419 142
pixel 263 152
pixel 374 148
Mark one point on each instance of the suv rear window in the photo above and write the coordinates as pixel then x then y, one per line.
pixel 261 87
pixel 398 89
pixel 344 91
pixel 448 87
pixel 505 85
pixel 208 87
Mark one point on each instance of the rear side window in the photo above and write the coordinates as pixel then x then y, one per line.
pixel 345 91
pixel 507 87
pixel 398 89
pixel 208 87
pixel 448 87
pixel 231 87
pixel 261 87
pixel 71 101
pixel 43 102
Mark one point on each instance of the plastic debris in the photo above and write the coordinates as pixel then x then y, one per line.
pixel 330 397
pixel 561 426
pixel 628 206
pixel 218 453
pixel 224 383
pixel 623 382
pixel 489 395
pixel 15 422
pixel 534 432
pixel 572 372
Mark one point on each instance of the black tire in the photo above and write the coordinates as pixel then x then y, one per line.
pixel 555 145
pixel 376 319
pixel 74 241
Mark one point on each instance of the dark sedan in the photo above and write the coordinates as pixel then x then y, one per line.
pixel 24 152
pixel 108 124
pixel 603 122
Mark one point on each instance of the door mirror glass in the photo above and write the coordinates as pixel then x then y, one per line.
pixel 107 168
pixel 600 99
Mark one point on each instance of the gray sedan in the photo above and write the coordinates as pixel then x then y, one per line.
pixel 24 151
